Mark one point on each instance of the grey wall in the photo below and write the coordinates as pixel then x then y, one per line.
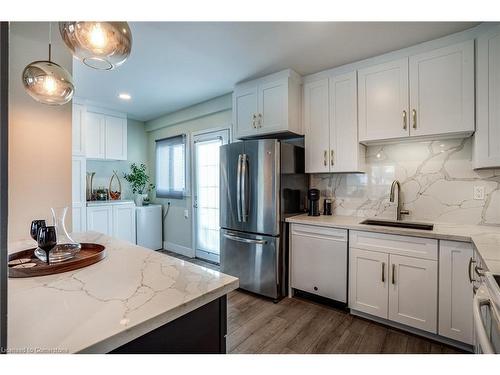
pixel 137 152
pixel 212 114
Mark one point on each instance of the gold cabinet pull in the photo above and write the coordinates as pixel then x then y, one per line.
pixel 393 274
pixel 332 157
pixel 254 117
pixel 414 115
pixel 405 125
pixel 325 155
pixel 383 272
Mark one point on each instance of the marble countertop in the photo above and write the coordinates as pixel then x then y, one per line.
pixel 486 238
pixel 101 307
pixel 100 203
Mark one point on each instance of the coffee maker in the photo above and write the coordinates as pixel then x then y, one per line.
pixel 313 202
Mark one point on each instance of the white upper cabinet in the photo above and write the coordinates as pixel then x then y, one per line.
pixel 267 105
pixel 383 101
pixel 116 138
pixel 95 135
pixel 442 91
pixel 317 126
pixel 346 154
pixel 78 130
pixel 245 111
pixel 426 94
pixel 487 137
pixel 331 126
pixel 106 135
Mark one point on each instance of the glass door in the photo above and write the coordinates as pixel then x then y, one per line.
pixel 206 193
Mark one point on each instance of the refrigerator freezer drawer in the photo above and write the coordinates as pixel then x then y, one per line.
pixel 253 259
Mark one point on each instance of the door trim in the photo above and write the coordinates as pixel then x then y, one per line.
pixel 194 135
pixel 4 125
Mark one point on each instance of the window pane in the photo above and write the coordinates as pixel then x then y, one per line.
pixel 207 184
pixel 171 167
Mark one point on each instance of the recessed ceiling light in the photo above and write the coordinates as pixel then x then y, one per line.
pixel 124 96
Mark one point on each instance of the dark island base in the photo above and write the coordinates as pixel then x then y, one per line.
pixel 202 331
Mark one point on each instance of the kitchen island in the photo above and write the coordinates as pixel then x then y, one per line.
pixel 134 301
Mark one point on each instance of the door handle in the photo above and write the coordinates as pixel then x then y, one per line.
pixel 259 123
pixel 244 240
pixel 405 124
pixel 244 183
pixel 414 115
pixel 481 333
pixel 238 187
pixel 332 157
pixel 383 272
pixel 471 261
pixel 254 118
pixel 325 155
pixel 393 274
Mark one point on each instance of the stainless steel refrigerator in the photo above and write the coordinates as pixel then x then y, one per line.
pixel 261 183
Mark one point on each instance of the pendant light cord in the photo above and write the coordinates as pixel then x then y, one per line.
pixel 50 41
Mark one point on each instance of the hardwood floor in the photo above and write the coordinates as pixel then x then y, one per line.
pixel 294 325
pixel 298 326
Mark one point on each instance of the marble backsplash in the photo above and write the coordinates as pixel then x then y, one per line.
pixel 436 178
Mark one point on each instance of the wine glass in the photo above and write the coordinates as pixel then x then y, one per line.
pixel 47 239
pixel 35 225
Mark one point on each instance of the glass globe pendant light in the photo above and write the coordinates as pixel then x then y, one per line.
pixel 100 45
pixel 47 82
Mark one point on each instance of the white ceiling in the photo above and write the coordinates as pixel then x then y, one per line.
pixel 177 64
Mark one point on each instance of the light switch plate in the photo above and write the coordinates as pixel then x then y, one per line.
pixel 479 192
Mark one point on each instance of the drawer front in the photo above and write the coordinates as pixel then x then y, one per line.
pixel 425 248
pixel 315 231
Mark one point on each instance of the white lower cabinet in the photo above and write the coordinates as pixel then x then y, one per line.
pixel 319 261
pixel 124 222
pixel 368 282
pixel 455 291
pixel 100 219
pixel 394 277
pixel 116 220
pixel 413 292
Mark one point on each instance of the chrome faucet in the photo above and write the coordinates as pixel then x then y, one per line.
pixel 399 211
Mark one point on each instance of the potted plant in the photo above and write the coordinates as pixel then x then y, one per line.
pixel 139 183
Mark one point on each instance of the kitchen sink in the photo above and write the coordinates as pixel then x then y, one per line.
pixel 399 224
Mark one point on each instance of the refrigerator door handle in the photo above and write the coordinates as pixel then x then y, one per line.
pixel 244 240
pixel 238 187
pixel 244 183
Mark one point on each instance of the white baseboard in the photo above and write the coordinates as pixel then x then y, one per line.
pixel 179 249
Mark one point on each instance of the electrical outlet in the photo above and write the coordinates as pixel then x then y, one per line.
pixel 186 214
pixel 479 193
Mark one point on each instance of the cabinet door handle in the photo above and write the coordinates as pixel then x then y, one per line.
pixel 332 157
pixel 260 120
pixel 254 118
pixel 383 272
pixel 325 155
pixel 471 261
pixel 393 274
pixel 405 124
pixel 414 115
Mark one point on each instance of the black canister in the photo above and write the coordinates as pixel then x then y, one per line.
pixel 327 206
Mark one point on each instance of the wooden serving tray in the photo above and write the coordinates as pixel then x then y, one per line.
pixel 89 254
